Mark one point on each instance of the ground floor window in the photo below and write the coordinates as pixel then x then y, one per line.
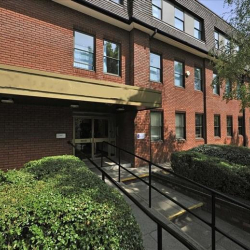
pixel 180 126
pixel 229 125
pixel 217 125
pixel 156 126
pixel 240 125
pixel 198 126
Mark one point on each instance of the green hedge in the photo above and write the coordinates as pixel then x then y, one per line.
pixel 213 172
pixel 57 203
pixel 234 154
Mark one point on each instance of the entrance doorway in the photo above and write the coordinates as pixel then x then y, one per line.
pixel 90 132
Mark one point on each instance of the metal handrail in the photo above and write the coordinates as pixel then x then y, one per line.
pixel 160 225
pixel 213 195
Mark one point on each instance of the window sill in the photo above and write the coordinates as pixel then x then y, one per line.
pixel 180 140
pixel 155 81
pixel 179 87
pixel 198 91
pixel 217 138
pixel 199 139
pixel 229 136
pixel 110 74
pixel 159 141
pixel 88 70
pixel 216 95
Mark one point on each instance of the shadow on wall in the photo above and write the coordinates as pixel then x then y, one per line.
pixel 236 139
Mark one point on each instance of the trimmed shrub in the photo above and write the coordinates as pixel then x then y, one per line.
pixel 213 172
pixel 234 154
pixel 57 203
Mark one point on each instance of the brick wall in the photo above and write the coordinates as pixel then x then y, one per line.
pixel 41 37
pixel 28 132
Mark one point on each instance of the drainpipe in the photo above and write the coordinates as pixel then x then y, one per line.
pixel 204 101
pixel 155 31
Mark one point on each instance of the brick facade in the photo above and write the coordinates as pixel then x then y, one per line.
pixel 42 37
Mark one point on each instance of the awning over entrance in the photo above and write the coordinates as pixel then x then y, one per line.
pixel 34 83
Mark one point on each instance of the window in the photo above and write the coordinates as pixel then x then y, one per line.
pixel 118 1
pixel 217 125
pixel 111 58
pixel 155 67
pixel 156 126
pixel 228 87
pixel 198 126
pixel 216 86
pixel 216 40
pixel 179 19
pixel 180 126
pixel 197 79
pixel 229 126
pixel 156 8
pixel 84 51
pixel 238 91
pixel 240 125
pixel 178 74
pixel 197 29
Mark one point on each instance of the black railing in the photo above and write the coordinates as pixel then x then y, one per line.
pixel 212 192
pixel 160 225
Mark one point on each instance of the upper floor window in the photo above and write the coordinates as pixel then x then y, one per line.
pixel 216 40
pixel 157 8
pixel 216 86
pixel 180 126
pixel 197 29
pixel 217 125
pixel 156 126
pixel 197 79
pixel 178 74
pixel 118 1
pixel 155 67
pixel 179 19
pixel 84 51
pixel 198 126
pixel 228 87
pixel 111 58
pixel 240 125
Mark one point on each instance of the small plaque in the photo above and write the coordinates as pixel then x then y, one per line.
pixel 140 136
pixel 61 136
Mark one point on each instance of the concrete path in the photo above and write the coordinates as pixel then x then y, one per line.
pixel 188 225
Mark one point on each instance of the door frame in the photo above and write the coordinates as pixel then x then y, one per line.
pixel 110 118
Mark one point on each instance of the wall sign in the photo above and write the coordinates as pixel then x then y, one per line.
pixel 61 136
pixel 140 136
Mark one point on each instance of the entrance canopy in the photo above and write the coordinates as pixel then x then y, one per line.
pixel 34 83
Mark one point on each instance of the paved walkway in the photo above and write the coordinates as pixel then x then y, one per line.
pixel 187 225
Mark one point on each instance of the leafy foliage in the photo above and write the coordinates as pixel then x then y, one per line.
pixel 230 63
pixel 57 203
pixel 215 169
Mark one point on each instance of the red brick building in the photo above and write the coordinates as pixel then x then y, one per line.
pixel 88 71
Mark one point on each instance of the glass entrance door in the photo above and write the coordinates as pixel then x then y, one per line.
pixel 90 132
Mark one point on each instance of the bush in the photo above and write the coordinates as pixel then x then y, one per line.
pixel 57 203
pixel 213 172
pixel 234 154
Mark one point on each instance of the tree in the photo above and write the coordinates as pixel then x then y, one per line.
pixel 232 61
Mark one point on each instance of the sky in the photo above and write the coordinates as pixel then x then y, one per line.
pixel 218 7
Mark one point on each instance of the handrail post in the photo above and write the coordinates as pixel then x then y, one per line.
pixel 213 221
pixel 159 237
pixel 119 168
pixel 149 190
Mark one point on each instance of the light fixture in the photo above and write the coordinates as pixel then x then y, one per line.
pixel 74 106
pixel 187 73
pixel 7 100
pixel 120 109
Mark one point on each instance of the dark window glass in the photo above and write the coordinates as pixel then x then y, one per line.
pixel 240 125
pixel 180 126
pixel 228 87
pixel 84 51
pixel 216 86
pixel 178 74
pixel 156 126
pixel 229 125
pixel 155 67
pixel 217 125
pixel 156 8
pixel 197 79
pixel 199 126
pixel 179 19
pixel 111 58
pixel 197 29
